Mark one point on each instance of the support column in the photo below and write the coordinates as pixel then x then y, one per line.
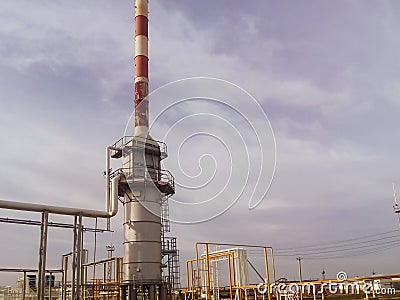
pixel 163 292
pixel 24 291
pixel 42 254
pixel 74 246
pixel 152 292
pixel 50 283
pixel 123 292
pixel 64 277
pixel 79 258
pixel 132 295
pixel 301 278
pixel 208 274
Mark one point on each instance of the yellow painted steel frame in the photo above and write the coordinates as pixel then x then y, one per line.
pixel 229 254
pixel 190 270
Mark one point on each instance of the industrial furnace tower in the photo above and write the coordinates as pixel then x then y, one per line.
pixel 143 184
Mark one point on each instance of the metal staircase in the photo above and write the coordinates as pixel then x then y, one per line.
pixel 169 251
pixel 171 263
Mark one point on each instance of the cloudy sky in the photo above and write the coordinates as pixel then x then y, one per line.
pixel 325 73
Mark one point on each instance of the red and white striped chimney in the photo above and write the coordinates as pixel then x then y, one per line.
pixel 141 68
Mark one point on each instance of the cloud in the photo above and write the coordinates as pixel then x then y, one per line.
pixel 326 77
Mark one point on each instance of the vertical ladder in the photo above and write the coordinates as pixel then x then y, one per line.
pixel 166 227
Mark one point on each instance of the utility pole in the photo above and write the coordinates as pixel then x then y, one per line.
pixel 396 204
pixel 110 249
pixel 301 278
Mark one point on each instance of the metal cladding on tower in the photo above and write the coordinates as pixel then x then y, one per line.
pixel 141 64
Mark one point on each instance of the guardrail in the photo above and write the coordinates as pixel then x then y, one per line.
pixel 129 142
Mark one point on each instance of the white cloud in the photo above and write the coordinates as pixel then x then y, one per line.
pixel 329 178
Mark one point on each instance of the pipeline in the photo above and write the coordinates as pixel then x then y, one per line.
pixel 111 201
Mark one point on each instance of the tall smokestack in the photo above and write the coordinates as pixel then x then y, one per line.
pixel 143 184
pixel 142 179
pixel 141 68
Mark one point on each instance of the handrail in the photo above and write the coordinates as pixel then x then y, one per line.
pixel 125 140
pixel 160 175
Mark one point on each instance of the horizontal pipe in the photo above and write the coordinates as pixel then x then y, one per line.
pixel 233 245
pixel 157 262
pixel 112 204
pixel 51 224
pixel 14 270
pixel 58 210
pixel 110 259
